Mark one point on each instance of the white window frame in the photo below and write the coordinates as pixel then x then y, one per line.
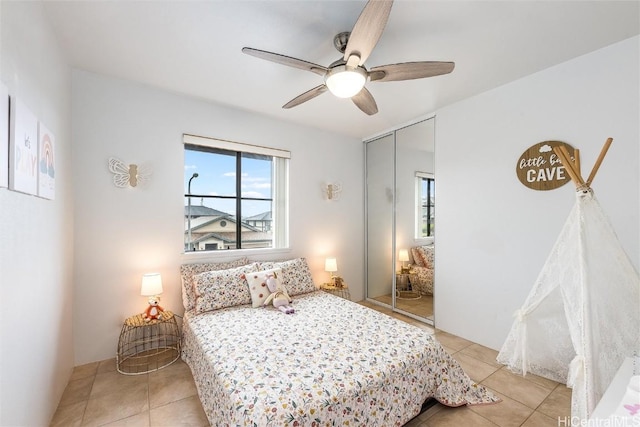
pixel 280 191
pixel 418 203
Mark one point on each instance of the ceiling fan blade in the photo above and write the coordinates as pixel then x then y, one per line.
pixel 310 94
pixel 367 30
pixel 409 71
pixel 364 101
pixel 286 60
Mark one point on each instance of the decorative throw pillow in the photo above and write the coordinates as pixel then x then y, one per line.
pixel 417 257
pixel 187 271
pixel 430 255
pixel 296 275
pixel 220 289
pixel 425 253
pixel 258 289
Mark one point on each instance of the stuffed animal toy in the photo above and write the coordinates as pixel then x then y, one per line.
pixel 154 311
pixel 279 295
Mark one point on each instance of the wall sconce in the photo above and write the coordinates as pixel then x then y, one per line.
pixel 128 175
pixel 332 191
pixel 403 256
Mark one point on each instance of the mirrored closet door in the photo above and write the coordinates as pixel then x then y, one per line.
pixel 379 221
pixel 400 220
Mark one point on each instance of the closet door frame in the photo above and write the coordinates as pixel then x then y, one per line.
pixel 394 249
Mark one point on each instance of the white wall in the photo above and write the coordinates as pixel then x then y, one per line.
pixel 122 233
pixel 36 253
pixel 494 236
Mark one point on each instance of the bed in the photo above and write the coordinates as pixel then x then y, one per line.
pixel 423 268
pixel 332 362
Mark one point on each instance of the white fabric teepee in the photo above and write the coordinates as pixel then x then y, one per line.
pixel 582 317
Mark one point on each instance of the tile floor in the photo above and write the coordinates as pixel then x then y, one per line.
pixel 97 395
pixel 422 307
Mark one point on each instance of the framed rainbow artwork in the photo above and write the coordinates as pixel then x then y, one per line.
pixel 46 163
pixel 4 136
pixel 23 149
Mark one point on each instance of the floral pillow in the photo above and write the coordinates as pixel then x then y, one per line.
pixel 417 257
pixel 258 289
pixel 187 271
pixel 223 288
pixel 423 256
pixel 296 275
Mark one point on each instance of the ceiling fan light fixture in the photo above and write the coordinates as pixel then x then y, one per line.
pixel 344 81
pixel 346 77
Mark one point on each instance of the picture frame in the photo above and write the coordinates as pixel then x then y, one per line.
pixel 23 148
pixel 4 136
pixel 46 163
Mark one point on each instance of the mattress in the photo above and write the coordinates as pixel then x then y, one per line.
pixel 332 362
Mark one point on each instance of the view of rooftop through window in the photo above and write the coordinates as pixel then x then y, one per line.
pixel 426 195
pixel 228 199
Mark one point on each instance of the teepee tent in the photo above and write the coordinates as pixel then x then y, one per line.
pixel 582 316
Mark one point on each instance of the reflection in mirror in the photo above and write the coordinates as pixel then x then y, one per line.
pixel 425 205
pixel 401 226
pixel 415 185
pixel 379 211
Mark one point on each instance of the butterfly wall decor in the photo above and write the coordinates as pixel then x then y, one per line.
pixel 332 191
pixel 128 175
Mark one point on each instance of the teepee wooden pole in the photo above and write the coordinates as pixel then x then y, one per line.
pixel 565 158
pixel 576 162
pixel 596 166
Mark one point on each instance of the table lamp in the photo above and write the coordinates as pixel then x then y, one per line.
pixel 152 288
pixel 331 266
pixel 403 256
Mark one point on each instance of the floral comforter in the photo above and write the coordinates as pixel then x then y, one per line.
pixel 331 363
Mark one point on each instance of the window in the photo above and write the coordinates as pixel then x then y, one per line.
pixel 235 195
pixel 425 205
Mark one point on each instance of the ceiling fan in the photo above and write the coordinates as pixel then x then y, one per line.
pixel 345 78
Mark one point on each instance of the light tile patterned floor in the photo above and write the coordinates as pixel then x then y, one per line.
pixel 422 307
pixel 97 395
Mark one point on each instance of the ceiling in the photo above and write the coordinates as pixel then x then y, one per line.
pixel 194 48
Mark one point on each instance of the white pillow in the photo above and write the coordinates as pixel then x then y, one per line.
pixel 258 289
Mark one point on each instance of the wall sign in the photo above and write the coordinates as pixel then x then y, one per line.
pixel 539 168
pixel 46 163
pixel 4 136
pixel 23 149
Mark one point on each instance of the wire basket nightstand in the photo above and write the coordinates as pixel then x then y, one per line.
pixel 405 286
pixel 340 291
pixel 148 346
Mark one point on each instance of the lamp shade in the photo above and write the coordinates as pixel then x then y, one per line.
pixel 151 284
pixel 331 265
pixel 345 82
pixel 403 255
